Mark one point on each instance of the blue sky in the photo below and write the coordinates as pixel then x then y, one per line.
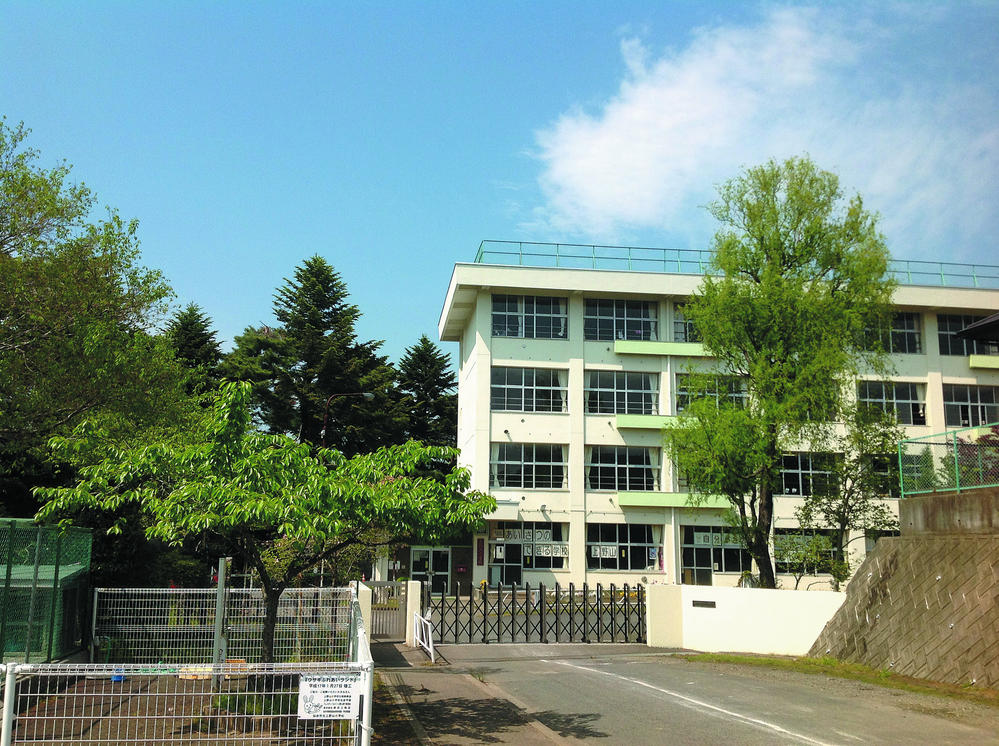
pixel 392 137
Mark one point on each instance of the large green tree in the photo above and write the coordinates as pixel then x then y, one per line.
pixel 313 357
pixel 196 346
pixel 428 385
pixel 798 279
pixel 76 314
pixel 280 506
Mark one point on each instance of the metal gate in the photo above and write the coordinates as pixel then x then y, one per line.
pixel 388 609
pixel 509 613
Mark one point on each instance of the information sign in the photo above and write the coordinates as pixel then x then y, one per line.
pixel 335 696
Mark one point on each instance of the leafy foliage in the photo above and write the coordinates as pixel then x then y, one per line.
pixel 797 279
pixel 194 343
pixel 428 383
pixel 315 355
pixel 280 507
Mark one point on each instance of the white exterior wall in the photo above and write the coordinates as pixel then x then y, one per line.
pixel 467 318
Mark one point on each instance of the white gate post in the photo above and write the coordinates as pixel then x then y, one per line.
pixel 9 693
pixel 414 594
pixel 220 646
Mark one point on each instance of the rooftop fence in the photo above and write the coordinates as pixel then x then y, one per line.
pixel 43 599
pixel 698 262
pixel 953 461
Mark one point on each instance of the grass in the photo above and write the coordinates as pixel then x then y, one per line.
pixel 856 672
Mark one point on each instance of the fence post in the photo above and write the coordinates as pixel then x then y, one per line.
pixel 219 646
pixel 4 605
pixel 93 626
pixel 957 466
pixel 9 693
pixel 31 601
pixel 54 595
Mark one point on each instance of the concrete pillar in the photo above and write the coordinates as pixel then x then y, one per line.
pixel 414 590
pixel 664 616
pixel 364 594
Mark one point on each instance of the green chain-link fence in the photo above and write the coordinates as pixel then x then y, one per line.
pixel 950 462
pixel 44 594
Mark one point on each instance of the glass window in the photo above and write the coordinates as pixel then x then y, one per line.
pixel 515 546
pixel 807 473
pixel 683 328
pixel 719 388
pixel 947 327
pixel 618 392
pixel 623 546
pixel 527 465
pixel 528 389
pixel 903 399
pixel 904 335
pixel 620 319
pixel 622 468
pixel 707 549
pixel 970 406
pixel 786 562
pixel 530 317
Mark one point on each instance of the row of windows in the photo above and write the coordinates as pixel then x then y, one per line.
pixel 547 317
pixel 636 469
pixel 622 392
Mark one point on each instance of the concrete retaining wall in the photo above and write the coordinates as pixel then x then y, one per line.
pixel 975 512
pixel 744 620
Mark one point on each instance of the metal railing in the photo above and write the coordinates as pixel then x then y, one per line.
pixel 423 634
pixel 311 704
pixel 698 262
pixel 180 625
pixel 953 461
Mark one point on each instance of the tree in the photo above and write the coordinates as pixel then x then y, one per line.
pixel 194 343
pixel 312 356
pixel 796 282
pixel 428 383
pixel 76 314
pixel 863 473
pixel 279 506
pixel 806 552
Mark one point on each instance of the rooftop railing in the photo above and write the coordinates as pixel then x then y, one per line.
pixel 698 262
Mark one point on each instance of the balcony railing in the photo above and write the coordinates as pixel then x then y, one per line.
pixel 698 262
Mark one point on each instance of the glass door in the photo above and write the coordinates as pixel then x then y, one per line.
pixel 431 565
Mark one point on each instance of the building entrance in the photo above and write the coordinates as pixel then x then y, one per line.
pixel 431 565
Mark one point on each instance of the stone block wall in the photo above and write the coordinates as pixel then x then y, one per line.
pixel 924 605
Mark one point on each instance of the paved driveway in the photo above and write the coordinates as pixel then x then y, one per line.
pixel 625 694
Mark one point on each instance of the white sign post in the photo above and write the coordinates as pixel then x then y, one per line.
pixel 335 696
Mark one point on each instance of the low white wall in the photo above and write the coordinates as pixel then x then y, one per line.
pixel 742 620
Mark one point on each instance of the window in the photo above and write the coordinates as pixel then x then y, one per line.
pixel 707 549
pixel 719 388
pixel 530 317
pixel 791 555
pixel 902 336
pixel 617 392
pixel 969 406
pixel 950 344
pixel 620 319
pixel 623 546
pixel 622 468
pixel 527 465
pixel 807 473
pixel 518 545
pixel 528 390
pixel 683 328
pixel 903 399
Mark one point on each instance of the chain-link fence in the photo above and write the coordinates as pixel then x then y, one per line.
pixel 309 704
pixel 43 601
pixel 179 625
pixel 950 462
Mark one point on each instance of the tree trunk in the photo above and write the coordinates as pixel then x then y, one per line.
pixel 272 596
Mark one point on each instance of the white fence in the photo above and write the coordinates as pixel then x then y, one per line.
pixel 423 634
pixel 180 625
pixel 313 704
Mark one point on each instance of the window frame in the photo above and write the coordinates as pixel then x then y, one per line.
pixel 904 332
pixel 890 401
pixel 606 552
pixel 623 322
pixel 682 396
pixel 503 465
pixel 684 329
pixel 821 568
pixel 948 324
pixel 623 398
pixel 638 472
pixel 692 553
pixel 806 477
pixel 526 316
pixel 978 412
pixel 556 559
pixel 553 392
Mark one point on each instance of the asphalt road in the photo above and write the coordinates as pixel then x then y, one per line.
pixel 624 694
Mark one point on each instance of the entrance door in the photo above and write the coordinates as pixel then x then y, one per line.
pixel 431 565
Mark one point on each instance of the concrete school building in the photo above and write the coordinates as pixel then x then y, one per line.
pixel 572 359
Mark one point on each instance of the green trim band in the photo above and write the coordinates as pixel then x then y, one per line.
pixel 668 500
pixel 639 347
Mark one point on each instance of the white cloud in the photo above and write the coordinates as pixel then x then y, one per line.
pixel 923 154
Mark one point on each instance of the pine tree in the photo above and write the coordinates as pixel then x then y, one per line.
pixel 191 335
pixel 428 383
pixel 314 357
